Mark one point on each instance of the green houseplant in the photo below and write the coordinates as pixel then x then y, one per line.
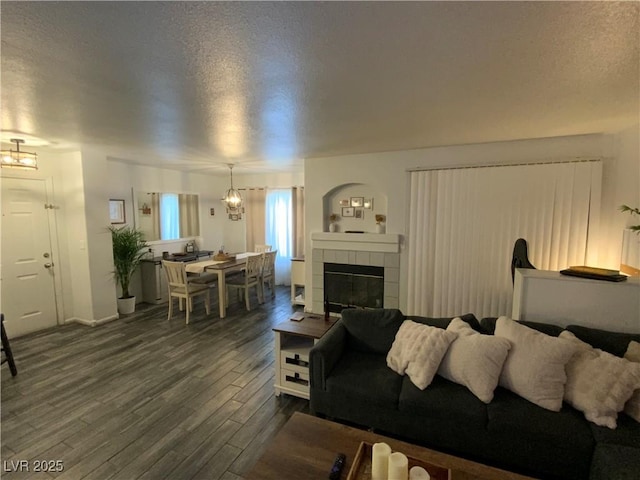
pixel 129 248
pixel 632 211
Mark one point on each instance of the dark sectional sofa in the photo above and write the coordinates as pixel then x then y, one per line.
pixel 350 381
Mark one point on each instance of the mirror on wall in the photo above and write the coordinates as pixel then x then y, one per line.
pixel 168 216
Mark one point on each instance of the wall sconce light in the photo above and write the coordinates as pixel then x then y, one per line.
pixel 19 159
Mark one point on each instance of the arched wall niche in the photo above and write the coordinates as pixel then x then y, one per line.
pixel 342 196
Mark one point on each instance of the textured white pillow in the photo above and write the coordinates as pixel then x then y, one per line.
pixel 632 407
pixel 534 368
pixel 598 383
pixel 474 360
pixel 418 350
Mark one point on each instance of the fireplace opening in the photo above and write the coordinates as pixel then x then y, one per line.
pixel 359 286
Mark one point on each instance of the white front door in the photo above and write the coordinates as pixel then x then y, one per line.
pixel 28 295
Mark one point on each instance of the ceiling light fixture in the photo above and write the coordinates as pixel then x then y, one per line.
pixel 233 199
pixel 19 159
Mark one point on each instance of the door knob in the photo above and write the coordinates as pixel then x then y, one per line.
pixel 48 265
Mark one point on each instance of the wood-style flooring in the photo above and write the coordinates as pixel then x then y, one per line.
pixel 147 398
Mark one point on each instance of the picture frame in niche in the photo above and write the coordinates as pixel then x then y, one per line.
pixel 344 202
pixel 357 201
pixel 212 211
pixel 348 211
pixel 359 214
pixel 368 203
pixel 116 211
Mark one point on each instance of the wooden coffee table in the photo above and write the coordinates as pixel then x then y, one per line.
pixel 306 447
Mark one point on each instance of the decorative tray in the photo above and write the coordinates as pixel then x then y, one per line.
pixel 224 257
pixel 361 468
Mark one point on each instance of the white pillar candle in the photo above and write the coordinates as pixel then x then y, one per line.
pixel 380 461
pixel 419 473
pixel 398 466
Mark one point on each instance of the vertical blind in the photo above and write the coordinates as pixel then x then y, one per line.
pixel 464 222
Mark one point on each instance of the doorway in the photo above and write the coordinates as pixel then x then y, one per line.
pixel 27 267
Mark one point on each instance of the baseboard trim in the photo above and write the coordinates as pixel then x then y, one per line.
pixel 92 323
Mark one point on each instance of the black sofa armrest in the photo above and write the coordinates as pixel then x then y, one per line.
pixel 325 354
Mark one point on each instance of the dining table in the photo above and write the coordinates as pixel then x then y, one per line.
pixel 222 268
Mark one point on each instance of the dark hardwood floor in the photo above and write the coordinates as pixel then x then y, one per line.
pixel 147 398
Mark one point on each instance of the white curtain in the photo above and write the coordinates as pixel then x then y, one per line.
pixel 297 194
pixel 169 216
pixel 255 217
pixel 464 222
pixel 278 230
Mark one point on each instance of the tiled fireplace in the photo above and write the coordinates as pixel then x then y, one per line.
pixel 357 249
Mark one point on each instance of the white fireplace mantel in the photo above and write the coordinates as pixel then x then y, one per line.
pixel 364 242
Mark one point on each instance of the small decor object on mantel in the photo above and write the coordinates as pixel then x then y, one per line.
pixel 333 218
pixel 380 222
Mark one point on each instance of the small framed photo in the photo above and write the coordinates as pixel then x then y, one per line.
pixel 344 202
pixel 234 216
pixel 348 211
pixel 368 203
pixel 359 214
pixel 116 211
pixel 212 211
pixel 357 201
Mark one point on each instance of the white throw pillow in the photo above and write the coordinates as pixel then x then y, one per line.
pixel 534 368
pixel 474 360
pixel 632 407
pixel 418 350
pixel 598 383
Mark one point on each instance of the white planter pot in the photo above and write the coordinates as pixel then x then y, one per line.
pixel 380 227
pixel 126 305
pixel 332 227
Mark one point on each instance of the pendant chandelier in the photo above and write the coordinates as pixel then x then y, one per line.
pixel 17 158
pixel 233 199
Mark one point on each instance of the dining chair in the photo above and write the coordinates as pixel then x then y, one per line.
pixel 250 277
pixel 262 248
pixel 268 276
pixel 181 288
pixel 6 348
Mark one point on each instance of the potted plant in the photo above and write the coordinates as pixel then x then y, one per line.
pixel 129 248
pixel 380 219
pixel 333 218
pixel 632 211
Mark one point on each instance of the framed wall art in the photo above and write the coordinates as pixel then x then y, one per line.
pixel 368 203
pixel 359 214
pixel 116 211
pixel 348 211
pixel 344 202
pixel 357 201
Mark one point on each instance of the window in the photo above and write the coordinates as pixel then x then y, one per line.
pixel 279 231
pixel 170 217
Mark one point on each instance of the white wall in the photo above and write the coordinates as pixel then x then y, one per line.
pixel 388 173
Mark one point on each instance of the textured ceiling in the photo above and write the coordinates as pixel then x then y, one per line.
pixel 195 85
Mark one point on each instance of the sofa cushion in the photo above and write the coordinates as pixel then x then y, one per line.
pixel 474 360
pixel 442 400
pixel 627 433
pixel 612 342
pixel 599 383
pixel 364 378
pixel 617 462
pixel 535 365
pixel 371 330
pixel 509 413
pixel 444 322
pixel 488 326
pixel 418 350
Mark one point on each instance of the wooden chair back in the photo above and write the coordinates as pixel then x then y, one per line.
pixel 262 248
